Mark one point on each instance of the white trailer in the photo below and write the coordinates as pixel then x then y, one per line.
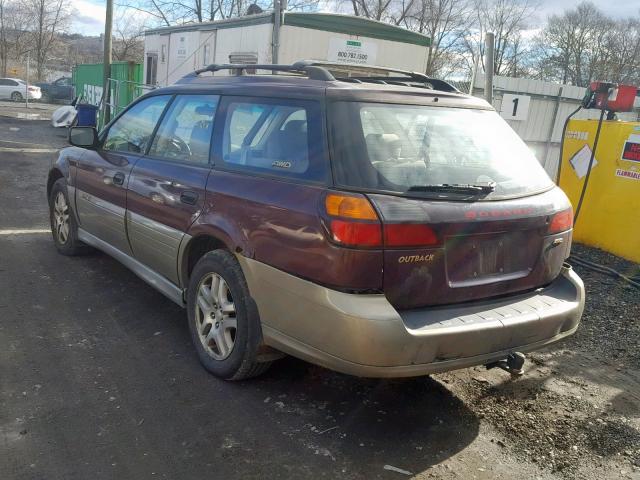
pixel 172 52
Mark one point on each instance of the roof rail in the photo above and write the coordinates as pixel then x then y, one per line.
pixel 312 71
pixel 318 70
pixel 436 83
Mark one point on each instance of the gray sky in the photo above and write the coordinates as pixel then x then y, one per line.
pixel 89 17
pixel 613 8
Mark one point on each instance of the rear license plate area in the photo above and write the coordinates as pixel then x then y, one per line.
pixel 487 258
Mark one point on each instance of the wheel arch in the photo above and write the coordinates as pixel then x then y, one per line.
pixel 195 248
pixel 55 174
pixel 210 232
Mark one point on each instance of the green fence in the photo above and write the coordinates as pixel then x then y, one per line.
pixel 125 84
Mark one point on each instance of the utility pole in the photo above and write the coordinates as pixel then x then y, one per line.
pixel 106 63
pixel 26 93
pixel 276 31
pixel 489 42
pixel 474 72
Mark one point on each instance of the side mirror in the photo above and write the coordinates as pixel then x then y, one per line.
pixel 85 137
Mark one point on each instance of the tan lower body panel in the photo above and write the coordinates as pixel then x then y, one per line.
pixel 364 335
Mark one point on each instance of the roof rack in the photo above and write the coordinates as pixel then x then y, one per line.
pixel 409 76
pixel 304 68
pixel 318 70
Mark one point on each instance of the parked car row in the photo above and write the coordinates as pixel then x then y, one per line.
pixel 17 90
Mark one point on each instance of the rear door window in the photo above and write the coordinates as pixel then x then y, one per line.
pixel 275 137
pixel 185 132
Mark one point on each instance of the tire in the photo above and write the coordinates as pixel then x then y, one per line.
pixel 60 214
pixel 223 318
pixel 17 97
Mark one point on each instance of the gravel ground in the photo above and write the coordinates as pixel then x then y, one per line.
pixel 578 406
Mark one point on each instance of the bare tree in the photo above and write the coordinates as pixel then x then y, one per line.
pixel 4 38
pixel 583 44
pixel 13 30
pixel 389 11
pixel 128 43
pixel 623 51
pixel 506 19
pixel 171 12
pixel 446 23
pixel 48 18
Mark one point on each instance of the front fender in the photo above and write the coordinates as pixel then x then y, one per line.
pixel 65 164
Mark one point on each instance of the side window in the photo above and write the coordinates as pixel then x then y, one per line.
pixel 3 82
pixel 132 131
pixel 185 132
pixel 279 137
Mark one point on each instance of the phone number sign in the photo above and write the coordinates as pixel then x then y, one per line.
pixel 352 51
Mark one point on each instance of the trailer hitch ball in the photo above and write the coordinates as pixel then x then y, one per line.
pixel 513 364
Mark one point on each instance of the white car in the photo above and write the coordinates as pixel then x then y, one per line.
pixel 17 90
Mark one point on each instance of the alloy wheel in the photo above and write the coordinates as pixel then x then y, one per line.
pixel 61 218
pixel 215 316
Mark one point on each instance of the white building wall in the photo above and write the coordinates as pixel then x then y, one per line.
pixel 254 39
pixel 542 130
pixel 182 53
pixel 298 43
pixel 185 51
pixel 151 46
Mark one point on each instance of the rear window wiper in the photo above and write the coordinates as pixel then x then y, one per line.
pixel 455 188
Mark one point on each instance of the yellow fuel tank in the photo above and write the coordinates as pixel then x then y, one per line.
pixel 610 214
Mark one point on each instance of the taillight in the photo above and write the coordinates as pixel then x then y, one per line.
pixel 33 89
pixel 355 223
pixel 356 233
pixel 409 235
pixel 358 223
pixel 561 221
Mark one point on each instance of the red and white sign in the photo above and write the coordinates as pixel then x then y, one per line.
pixel 631 148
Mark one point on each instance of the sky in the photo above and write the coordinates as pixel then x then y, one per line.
pixel 89 15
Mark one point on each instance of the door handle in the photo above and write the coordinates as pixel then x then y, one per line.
pixel 189 197
pixel 118 178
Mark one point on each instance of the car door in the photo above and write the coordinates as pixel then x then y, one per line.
pixel 167 187
pixel 5 88
pixel 102 174
pixel 61 88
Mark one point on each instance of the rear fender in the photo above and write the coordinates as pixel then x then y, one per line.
pixel 213 225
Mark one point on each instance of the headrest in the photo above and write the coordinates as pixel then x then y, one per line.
pixel 296 126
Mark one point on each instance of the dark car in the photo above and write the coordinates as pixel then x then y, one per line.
pixel 60 89
pixel 379 226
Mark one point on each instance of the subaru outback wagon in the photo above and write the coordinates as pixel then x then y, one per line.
pixel 381 226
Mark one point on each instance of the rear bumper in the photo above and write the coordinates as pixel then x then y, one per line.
pixel 364 335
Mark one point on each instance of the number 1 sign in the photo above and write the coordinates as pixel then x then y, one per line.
pixel 515 107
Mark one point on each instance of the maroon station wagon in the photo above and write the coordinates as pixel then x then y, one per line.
pixel 381 226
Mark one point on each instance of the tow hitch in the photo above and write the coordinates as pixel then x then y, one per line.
pixel 512 364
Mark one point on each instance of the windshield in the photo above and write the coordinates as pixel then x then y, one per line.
pixel 401 148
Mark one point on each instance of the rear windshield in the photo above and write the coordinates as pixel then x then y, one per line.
pixel 401 148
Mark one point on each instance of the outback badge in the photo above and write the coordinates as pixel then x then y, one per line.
pixel 415 258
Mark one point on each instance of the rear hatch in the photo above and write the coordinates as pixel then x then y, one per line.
pixel 479 250
pixel 466 210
